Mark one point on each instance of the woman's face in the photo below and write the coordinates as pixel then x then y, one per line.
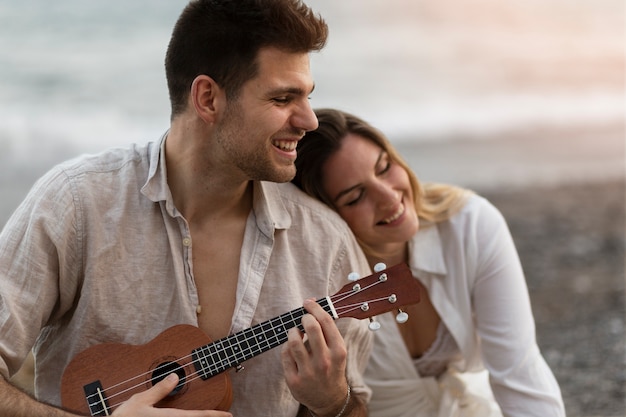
pixel 372 193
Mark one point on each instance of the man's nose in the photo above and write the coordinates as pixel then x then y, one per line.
pixel 304 118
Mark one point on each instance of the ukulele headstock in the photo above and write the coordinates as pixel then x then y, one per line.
pixel 383 291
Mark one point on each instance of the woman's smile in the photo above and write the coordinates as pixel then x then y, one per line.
pixel 395 216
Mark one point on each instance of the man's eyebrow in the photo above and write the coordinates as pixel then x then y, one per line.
pixel 290 90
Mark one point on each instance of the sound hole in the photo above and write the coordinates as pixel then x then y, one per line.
pixel 166 368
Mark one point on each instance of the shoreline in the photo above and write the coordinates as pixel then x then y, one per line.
pixel 546 157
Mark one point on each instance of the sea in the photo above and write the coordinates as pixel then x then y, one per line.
pixel 83 75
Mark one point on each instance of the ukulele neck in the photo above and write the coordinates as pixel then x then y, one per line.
pixel 232 350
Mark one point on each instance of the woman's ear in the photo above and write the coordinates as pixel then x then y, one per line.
pixel 207 97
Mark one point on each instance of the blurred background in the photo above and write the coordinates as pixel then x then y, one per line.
pixel 82 76
pixel 524 102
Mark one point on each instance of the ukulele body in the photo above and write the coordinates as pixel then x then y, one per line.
pixel 119 371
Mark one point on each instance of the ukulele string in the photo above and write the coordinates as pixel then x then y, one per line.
pixel 358 306
pixel 129 380
pixel 344 296
pixel 335 299
pixel 196 375
pixel 182 382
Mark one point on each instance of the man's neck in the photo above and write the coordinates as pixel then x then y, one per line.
pixel 200 187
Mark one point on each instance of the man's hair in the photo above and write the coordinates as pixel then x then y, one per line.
pixel 222 38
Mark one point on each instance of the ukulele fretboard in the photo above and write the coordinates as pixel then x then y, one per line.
pixel 230 351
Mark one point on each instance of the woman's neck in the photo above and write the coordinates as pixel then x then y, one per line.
pixel 389 256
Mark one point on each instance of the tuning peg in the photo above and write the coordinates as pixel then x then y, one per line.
pixel 402 317
pixel 374 325
pixel 379 267
pixel 353 276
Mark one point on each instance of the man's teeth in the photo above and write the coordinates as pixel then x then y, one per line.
pixel 394 216
pixel 286 145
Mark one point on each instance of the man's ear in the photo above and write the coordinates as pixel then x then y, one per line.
pixel 207 97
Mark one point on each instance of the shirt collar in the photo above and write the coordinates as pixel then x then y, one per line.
pixel 426 251
pixel 156 187
pixel 269 209
pixel 268 206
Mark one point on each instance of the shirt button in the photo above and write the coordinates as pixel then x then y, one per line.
pixel 187 241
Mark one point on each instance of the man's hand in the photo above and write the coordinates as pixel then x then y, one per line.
pixel 143 404
pixel 314 363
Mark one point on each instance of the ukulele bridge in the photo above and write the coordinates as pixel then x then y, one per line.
pixel 96 399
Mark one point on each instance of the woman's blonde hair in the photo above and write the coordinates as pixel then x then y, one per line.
pixel 433 202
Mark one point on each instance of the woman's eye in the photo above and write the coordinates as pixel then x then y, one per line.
pixel 385 168
pixel 355 200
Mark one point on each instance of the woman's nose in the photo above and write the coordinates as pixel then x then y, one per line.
pixel 387 195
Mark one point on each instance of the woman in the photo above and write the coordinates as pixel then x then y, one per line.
pixel 469 347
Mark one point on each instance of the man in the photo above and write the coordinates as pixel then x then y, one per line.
pixel 195 229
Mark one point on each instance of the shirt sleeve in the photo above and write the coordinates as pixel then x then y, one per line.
pixel 36 245
pixel 521 380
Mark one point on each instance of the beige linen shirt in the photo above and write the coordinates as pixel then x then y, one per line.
pixel 97 253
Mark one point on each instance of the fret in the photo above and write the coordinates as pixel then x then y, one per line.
pixel 220 354
pixel 293 318
pixel 280 331
pixel 243 342
pixel 249 336
pixel 328 307
pixel 201 361
pixel 229 353
pixel 264 335
pixel 214 359
pixel 232 350
pixel 255 339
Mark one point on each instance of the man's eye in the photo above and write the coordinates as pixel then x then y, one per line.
pixel 281 100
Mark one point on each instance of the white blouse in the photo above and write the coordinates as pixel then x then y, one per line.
pixel 444 350
pixel 475 281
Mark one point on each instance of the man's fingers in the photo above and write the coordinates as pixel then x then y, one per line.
pixel 295 349
pixel 295 359
pixel 161 389
pixel 142 405
pixel 328 335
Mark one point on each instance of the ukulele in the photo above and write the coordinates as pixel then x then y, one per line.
pixel 102 377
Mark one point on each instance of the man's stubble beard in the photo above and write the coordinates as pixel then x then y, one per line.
pixel 255 162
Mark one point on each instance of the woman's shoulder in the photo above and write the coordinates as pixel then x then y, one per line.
pixel 478 217
pixel 477 207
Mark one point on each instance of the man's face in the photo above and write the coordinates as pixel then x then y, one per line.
pixel 260 129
